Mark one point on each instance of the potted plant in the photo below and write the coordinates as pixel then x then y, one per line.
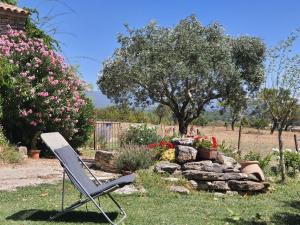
pixel 207 148
pixel 34 151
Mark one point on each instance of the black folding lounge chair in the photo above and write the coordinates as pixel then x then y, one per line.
pixel 74 167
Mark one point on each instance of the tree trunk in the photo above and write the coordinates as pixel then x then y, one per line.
pixel 183 127
pixel 159 119
pixel 281 155
pixel 232 124
pixel 274 126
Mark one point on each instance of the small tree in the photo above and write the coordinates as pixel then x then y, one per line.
pixel 184 68
pixel 161 111
pixel 282 88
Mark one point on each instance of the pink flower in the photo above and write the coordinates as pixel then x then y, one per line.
pixel 44 94
pixel 33 123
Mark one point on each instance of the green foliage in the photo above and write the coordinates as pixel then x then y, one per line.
pixel 184 67
pixel 134 157
pixel 200 121
pixel 258 123
pixel 291 160
pixel 255 156
pixel 8 153
pixel 162 112
pixel 228 150
pixel 45 94
pixel 11 2
pixel 140 135
pixel 6 69
pixel 124 114
pixel 33 31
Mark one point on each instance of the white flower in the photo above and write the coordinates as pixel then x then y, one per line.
pixel 275 150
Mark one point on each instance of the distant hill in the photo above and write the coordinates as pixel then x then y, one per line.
pixel 99 100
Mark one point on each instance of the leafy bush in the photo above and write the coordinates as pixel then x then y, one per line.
pixel 133 157
pixel 46 94
pixel 291 159
pixel 228 150
pixel 140 135
pixel 8 153
pixel 255 156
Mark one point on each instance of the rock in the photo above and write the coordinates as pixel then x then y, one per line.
pixel 105 160
pixel 232 193
pixel 166 166
pixel 218 186
pixel 237 185
pixel 130 189
pixel 179 189
pixel 205 165
pixel 23 150
pixel 200 175
pixel 184 154
pixel 171 179
pixel 228 161
pixel 212 176
pixel 218 194
pixel 182 141
pixel 234 176
pixel 194 184
pixel 212 185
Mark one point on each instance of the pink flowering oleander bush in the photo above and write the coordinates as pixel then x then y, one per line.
pixel 46 94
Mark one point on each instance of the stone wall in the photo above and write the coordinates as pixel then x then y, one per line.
pixel 219 174
pixel 16 21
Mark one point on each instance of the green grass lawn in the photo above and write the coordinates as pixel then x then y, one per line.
pixel 33 205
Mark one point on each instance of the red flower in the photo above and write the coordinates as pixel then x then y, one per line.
pixel 197 137
pixel 163 143
pixel 153 145
pixel 170 145
pixel 214 142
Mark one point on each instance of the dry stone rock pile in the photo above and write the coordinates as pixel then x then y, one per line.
pixel 222 174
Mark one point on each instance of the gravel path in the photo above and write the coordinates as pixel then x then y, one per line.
pixel 34 172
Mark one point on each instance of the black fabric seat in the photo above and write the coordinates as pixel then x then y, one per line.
pixel 120 182
pixel 75 169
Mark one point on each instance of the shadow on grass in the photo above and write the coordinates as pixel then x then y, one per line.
pixel 73 216
pixel 277 219
pixel 294 204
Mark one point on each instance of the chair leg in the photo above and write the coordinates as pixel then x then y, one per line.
pixel 106 216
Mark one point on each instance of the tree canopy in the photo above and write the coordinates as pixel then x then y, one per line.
pixel 184 67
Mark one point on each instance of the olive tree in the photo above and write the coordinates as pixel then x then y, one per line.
pixel 184 67
pixel 281 91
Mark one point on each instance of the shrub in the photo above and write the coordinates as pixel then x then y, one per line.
pixel 140 135
pixel 8 153
pixel 228 150
pixel 133 157
pixel 291 159
pixel 255 156
pixel 46 94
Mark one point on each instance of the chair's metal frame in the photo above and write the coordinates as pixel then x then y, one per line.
pixel 88 196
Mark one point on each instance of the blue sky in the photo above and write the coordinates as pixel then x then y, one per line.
pixel 89 28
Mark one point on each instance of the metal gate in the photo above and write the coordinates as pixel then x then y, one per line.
pixel 107 135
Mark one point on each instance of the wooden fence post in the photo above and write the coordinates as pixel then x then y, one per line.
pixel 296 142
pixel 239 141
pixel 95 136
